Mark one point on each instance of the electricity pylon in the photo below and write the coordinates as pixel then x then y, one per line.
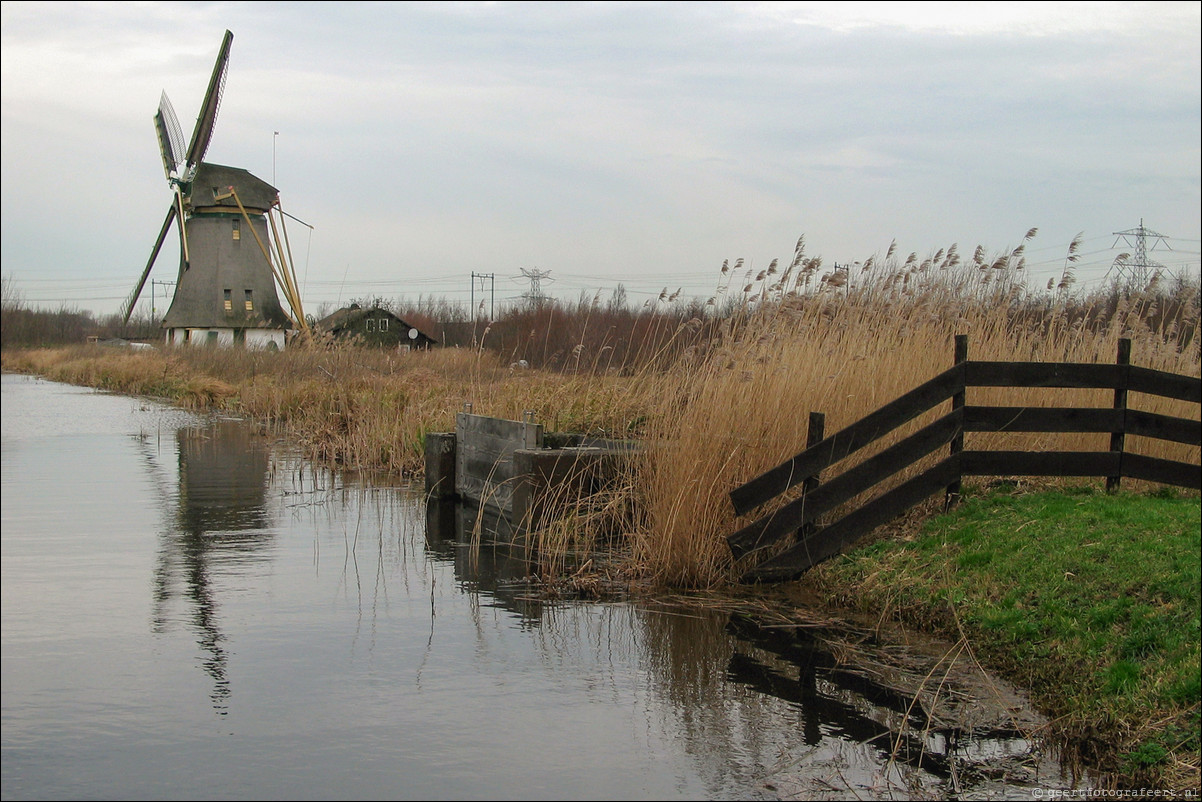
pixel 1136 272
pixel 535 295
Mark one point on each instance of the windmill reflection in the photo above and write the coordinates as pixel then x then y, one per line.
pixel 220 526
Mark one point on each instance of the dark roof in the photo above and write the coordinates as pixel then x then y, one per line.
pixel 350 315
pixel 212 180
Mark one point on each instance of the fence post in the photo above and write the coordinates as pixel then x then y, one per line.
pixel 814 435
pixel 960 356
pixel 1118 439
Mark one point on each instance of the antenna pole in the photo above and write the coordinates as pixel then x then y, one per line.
pixel 165 285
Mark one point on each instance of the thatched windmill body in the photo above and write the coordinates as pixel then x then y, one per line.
pixel 232 254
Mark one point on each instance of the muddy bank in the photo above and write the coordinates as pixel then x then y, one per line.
pixel 949 728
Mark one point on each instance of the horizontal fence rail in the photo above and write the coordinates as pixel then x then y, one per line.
pixel 798 518
pixel 846 442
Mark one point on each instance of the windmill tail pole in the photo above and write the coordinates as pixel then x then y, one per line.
pixel 266 253
pixel 288 246
pixel 289 274
pixel 289 277
pixel 183 229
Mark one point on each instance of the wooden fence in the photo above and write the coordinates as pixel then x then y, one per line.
pixel 799 518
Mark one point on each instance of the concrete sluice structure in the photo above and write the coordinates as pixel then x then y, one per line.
pixel 515 473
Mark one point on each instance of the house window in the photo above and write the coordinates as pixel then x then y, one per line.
pixel 383 324
pixel 229 300
pixel 371 325
pixel 250 303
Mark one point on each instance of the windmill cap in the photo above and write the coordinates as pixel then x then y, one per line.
pixel 212 184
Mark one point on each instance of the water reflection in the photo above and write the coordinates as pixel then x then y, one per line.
pixel 771 712
pixel 223 483
pixel 799 718
pixel 838 701
pixel 487 555
pixel 220 518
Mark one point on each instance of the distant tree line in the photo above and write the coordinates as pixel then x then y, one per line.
pixel 22 326
pixel 596 333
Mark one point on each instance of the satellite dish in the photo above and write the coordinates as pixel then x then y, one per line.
pixel 413 334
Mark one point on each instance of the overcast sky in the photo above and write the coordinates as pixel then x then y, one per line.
pixel 603 143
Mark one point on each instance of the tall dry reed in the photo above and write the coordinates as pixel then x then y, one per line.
pixel 717 392
pixel 817 346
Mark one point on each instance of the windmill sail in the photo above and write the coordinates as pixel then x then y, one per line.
pixel 208 111
pixel 171 149
pixel 128 307
pixel 171 137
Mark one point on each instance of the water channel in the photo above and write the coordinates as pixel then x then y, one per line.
pixel 193 611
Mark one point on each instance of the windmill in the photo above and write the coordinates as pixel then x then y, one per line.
pixel 225 293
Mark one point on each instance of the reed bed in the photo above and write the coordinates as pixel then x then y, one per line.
pixel 792 348
pixel 717 393
pixel 352 408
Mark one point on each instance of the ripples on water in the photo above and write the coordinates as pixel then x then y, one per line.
pixel 191 611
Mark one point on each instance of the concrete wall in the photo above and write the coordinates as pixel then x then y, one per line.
pixel 265 338
pixel 440 465
pixel 554 478
pixel 224 338
pixel 484 449
pixel 485 462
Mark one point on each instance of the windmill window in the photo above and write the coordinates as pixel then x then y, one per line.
pixel 229 301
pixel 250 303
pixel 237 230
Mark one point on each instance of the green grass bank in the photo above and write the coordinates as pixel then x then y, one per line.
pixel 1090 601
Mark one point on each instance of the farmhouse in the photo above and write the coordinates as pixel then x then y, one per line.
pixel 375 327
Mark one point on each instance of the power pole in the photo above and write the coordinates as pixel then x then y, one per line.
pixel 1137 272
pixel 152 283
pixel 492 292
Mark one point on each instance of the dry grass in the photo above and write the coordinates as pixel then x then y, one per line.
pixel 745 408
pixel 717 399
pixel 358 409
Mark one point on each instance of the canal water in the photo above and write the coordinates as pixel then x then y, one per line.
pixel 192 611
